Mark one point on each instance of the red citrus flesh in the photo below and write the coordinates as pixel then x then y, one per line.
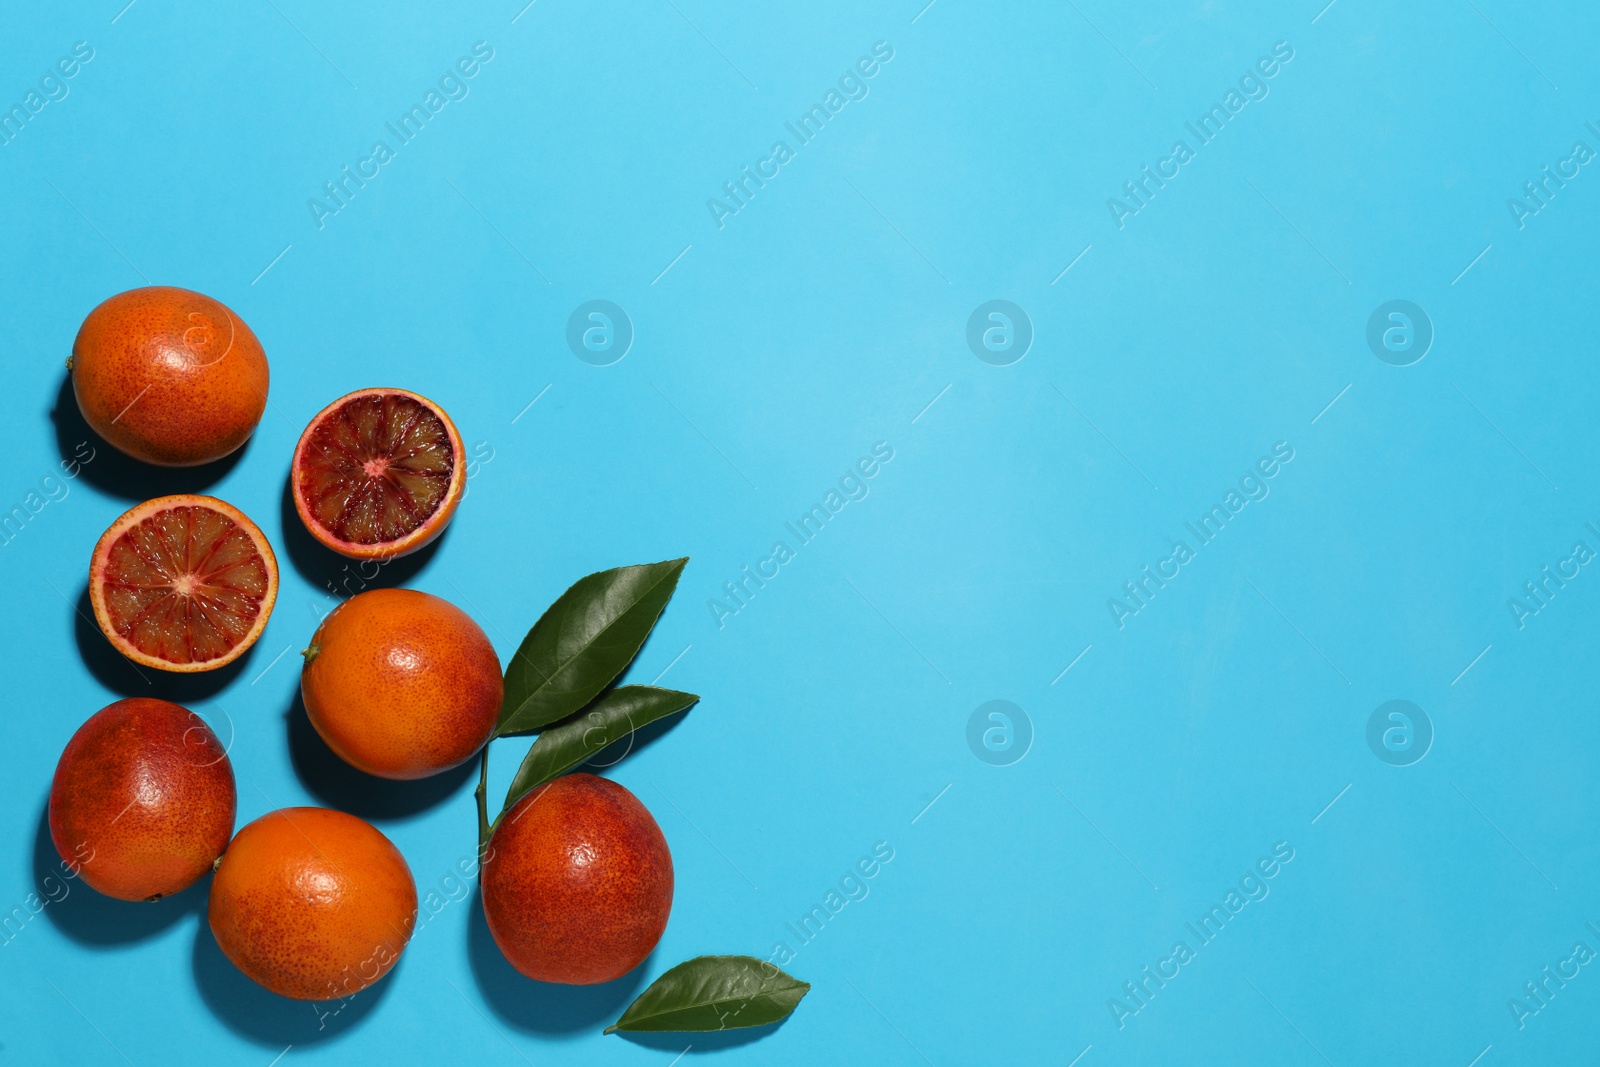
pixel 183 583
pixel 378 473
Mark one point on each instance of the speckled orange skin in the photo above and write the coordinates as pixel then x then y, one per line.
pixel 143 799
pixel 312 903
pixel 401 684
pixel 169 376
pixel 578 883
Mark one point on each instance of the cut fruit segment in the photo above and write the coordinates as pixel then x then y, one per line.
pixel 378 473
pixel 183 583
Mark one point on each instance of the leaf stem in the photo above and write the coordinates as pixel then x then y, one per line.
pixel 483 800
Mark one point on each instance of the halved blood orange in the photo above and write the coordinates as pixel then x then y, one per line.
pixel 183 583
pixel 378 473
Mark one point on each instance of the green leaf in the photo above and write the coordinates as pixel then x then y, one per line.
pixel 580 645
pixel 611 718
pixel 714 993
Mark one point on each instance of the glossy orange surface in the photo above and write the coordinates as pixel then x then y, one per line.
pixel 169 376
pixel 578 883
pixel 313 904
pixel 401 684
pixel 143 799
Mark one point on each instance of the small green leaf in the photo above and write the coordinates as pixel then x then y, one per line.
pixel 611 718
pixel 582 643
pixel 714 993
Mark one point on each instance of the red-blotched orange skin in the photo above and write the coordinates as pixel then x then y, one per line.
pixel 143 799
pixel 313 904
pixel 169 376
pixel 401 684
pixel 578 883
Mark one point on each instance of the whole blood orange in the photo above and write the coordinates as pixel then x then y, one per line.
pixel 578 882
pixel 378 473
pixel 143 799
pixel 183 583
pixel 401 684
pixel 169 376
pixel 312 903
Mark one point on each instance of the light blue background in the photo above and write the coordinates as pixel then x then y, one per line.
pixel 822 318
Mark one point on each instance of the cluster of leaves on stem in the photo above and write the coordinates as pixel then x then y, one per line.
pixel 561 684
